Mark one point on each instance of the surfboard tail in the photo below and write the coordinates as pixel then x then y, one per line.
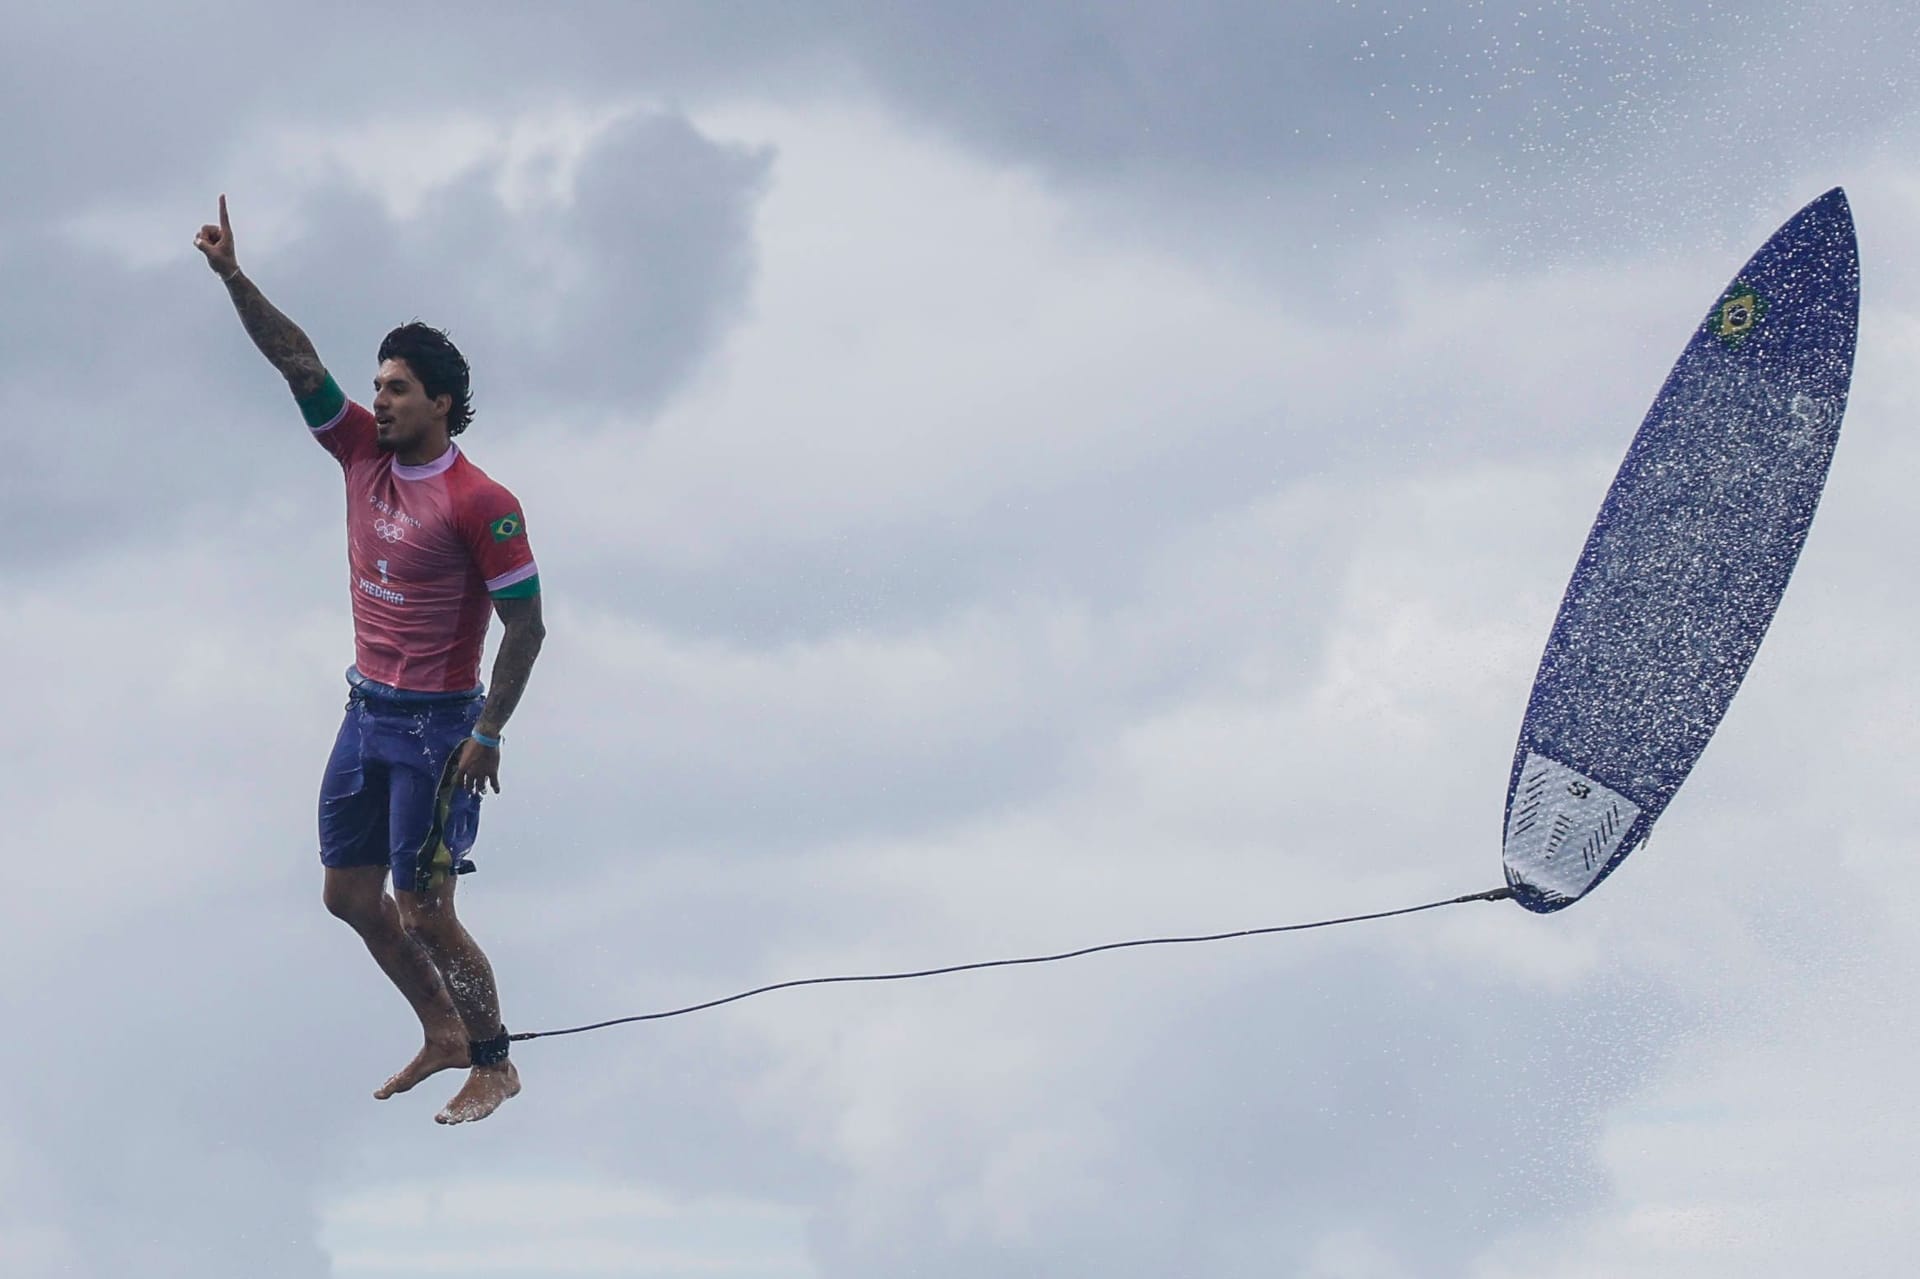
pixel 1565 831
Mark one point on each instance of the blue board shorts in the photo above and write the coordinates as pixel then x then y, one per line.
pixel 387 797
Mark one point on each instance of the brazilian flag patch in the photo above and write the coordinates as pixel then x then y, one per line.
pixel 508 527
pixel 1737 314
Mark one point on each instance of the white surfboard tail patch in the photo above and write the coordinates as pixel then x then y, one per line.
pixel 1563 829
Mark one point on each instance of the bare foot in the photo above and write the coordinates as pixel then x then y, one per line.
pixel 436 1056
pixel 486 1089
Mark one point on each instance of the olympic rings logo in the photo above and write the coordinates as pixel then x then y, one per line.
pixel 388 531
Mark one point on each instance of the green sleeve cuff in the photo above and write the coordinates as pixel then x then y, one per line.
pixel 520 590
pixel 324 405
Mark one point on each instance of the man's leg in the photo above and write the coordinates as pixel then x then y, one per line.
pixel 357 894
pixel 431 920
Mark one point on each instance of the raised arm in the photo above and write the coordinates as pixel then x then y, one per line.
pixel 279 339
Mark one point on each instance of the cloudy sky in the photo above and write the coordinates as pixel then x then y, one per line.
pixel 1006 477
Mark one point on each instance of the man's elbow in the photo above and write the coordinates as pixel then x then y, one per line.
pixel 524 626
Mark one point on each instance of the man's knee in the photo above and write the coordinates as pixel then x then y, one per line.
pixel 429 922
pixel 353 898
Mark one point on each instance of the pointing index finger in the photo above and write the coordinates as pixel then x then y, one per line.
pixel 225 230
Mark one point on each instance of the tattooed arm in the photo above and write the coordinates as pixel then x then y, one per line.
pixel 480 765
pixel 279 339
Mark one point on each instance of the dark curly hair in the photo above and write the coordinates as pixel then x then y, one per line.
pixel 437 362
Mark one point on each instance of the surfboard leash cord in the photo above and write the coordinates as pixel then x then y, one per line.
pixel 1491 895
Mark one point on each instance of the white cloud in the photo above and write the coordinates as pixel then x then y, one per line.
pixel 541 1226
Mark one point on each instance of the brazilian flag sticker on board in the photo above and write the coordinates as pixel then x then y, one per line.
pixel 1737 314
pixel 508 527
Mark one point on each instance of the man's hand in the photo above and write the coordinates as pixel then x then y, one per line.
pixel 476 766
pixel 217 243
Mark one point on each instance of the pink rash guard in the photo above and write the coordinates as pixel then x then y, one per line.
pixel 429 548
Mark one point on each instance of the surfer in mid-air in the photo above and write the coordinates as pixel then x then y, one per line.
pixel 433 547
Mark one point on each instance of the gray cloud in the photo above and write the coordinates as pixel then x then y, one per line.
pixel 1531 127
pixel 600 305
pixel 596 307
pixel 1253 1112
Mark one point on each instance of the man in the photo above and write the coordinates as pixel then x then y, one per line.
pixel 432 545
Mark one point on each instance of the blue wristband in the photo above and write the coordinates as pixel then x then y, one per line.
pixel 491 743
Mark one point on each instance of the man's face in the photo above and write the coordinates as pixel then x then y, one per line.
pixel 403 416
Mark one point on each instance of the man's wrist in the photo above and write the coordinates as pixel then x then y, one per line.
pixel 489 740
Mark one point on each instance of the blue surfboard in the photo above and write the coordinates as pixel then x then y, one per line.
pixel 1687 561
